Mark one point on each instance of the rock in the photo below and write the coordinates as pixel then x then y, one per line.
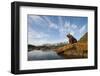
pixel 75 49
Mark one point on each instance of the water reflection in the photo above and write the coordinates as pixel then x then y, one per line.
pixel 43 55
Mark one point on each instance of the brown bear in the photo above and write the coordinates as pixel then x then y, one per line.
pixel 71 39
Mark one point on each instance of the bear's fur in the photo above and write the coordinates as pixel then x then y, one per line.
pixel 71 39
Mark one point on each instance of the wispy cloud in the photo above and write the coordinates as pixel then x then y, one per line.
pixel 50 23
pixel 53 29
pixel 83 29
pixel 40 38
pixel 68 28
pixel 60 21
pixel 35 37
pixel 38 20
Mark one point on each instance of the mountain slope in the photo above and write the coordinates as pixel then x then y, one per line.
pixel 84 38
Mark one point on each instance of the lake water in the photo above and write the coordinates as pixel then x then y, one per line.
pixel 43 55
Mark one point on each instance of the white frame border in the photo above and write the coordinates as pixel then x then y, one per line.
pixel 24 64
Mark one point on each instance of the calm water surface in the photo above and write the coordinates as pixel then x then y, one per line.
pixel 43 55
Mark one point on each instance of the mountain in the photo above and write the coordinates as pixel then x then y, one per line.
pixel 31 47
pixel 42 47
pixel 84 38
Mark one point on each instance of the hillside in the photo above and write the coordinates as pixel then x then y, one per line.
pixel 45 46
pixel 76 50
pixel 31 47
pixel 84 38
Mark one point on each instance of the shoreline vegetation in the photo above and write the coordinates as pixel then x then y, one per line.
pixel 46 46
pixel 67 50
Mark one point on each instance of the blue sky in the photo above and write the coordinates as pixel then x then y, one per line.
pixel 53 29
